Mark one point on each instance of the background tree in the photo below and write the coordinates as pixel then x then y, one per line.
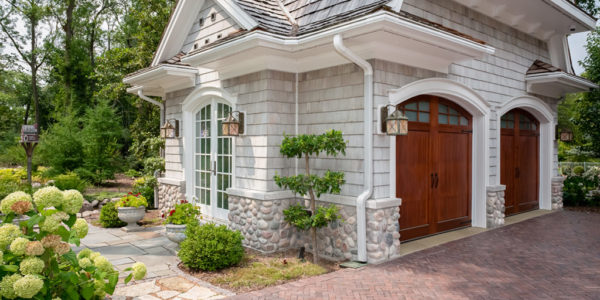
pixel 305 146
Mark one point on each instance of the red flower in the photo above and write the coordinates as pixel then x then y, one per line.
pixel 172 212
pixel 163 215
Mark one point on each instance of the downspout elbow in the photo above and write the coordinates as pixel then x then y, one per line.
pixel 159 104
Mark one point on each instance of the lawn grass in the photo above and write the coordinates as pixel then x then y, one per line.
pixel 273 271
pixel 102 195
pixel 257 271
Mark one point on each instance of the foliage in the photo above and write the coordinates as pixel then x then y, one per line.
pixel 109 216
pixel 578 170
pixel 70 181
pixel 11 181
pixel 132 173
pixel 152 164
pixel 183 213
pixel 102 195
pixel 590 6
pixel 210 247
pixel 61 147
pixel 302 219
pixel 145 186
pixel 100 140
pixel 305 146
pixel 132 200
pixel 39 263
pixel 582 188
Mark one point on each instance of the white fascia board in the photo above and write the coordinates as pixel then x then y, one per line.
pixel 574 13
pixel 238 14
pixel 382 19
pixel 177 29
pixel 561 78
pixel 161 72
pixel 395 5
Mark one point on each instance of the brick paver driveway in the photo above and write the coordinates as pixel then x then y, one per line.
pixel 556 256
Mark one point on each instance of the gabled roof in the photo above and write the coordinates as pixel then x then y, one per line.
pixel 539 66
pixel 545 79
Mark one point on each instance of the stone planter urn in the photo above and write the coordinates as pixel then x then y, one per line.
pixel 175 233
pixel 131 215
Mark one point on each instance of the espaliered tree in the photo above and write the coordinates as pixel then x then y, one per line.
pixel 306 146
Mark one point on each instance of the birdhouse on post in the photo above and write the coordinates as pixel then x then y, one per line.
pixel 29 139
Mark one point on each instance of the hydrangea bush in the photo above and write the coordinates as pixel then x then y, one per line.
pixel 36 259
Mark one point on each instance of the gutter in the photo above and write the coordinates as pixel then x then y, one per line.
pixel 361 217
pixel 159 104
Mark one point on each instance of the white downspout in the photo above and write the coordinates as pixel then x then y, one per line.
pixel 361 217
pixel 159 104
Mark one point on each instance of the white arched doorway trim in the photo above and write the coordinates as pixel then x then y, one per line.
pixel 472 102
pixel 543 113
pixel 189 107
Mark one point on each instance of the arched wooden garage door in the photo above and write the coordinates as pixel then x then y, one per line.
pixel 433 165
pixel 519 160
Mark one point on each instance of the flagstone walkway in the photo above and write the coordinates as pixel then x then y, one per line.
pixel 164 280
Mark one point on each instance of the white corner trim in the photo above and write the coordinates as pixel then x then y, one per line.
pixel 480 109
pixel 543 113
pixel 238 14
pixel 395 5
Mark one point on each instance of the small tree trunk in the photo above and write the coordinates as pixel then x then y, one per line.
pixel 313 230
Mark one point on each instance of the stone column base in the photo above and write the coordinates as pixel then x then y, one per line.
pixel 557 192
pixel 170 192
pixel 495 206
pixel 383 234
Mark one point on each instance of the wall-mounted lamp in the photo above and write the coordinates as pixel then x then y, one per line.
pixel 233 126
pixel 564 134
pixel 170 129
pixel 394 124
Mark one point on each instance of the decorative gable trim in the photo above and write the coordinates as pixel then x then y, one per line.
pixel 182 20
pixel 238 14
pixel 395 5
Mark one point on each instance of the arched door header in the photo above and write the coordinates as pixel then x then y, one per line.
pixel 533 105
pixel 197 97
pixel 457 92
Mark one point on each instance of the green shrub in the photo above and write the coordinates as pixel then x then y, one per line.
pixel 576 189
pixel 132 200
pixel 132 173
pixel 70 181
pixel 10 181
pixel 145 186
pixel 184 213
pixel 152 164
pixel 578 170
pixel 210 247
pixel 109 216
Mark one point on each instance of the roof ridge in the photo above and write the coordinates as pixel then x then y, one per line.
pixel 290 18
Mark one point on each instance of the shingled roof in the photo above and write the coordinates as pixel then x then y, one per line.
pixel 539 67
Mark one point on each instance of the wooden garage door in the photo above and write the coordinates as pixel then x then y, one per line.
pixel 433 165
pixel 519 160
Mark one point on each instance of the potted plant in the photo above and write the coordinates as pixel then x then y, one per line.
pixel 131 208
pixel 178 218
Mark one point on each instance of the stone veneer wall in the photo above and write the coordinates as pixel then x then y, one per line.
pixel 383 234
pixel 557 192
pixel 168 196
pixel 495 206
pixel 261 223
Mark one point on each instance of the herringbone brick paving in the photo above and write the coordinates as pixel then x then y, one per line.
pixel 556 256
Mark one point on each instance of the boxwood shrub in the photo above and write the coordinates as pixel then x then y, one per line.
pixel 210 247
pixel 109 216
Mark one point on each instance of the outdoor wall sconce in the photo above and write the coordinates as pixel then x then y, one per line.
pixel 170 129
pixel 564 135
pixel 394 124
pixel 233 126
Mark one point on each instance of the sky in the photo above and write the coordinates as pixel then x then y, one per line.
pixel 578 53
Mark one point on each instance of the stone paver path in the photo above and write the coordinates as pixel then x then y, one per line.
pixel 556 256
pixel 163 280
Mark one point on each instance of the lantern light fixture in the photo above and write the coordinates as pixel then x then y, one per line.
pixel 170 129
pixel 233 126
pixel 566 135
pixel 394 124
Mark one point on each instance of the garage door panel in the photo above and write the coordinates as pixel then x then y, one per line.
pixel 452 189
pixel 507 171
pixel 527 189
pixel 413 183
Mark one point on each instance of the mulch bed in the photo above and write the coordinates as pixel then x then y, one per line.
pixel 587 209
pixel 253 256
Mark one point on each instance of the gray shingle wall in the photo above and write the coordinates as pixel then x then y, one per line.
pixel 222 26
